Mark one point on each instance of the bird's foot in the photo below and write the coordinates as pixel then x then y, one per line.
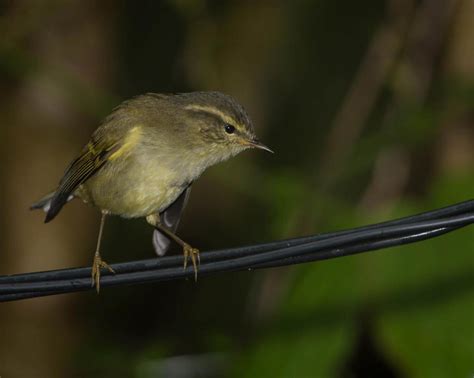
pixel 193 254
pixel 97 264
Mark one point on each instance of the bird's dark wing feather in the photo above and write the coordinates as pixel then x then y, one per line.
pixel 91 160
pixel 170 219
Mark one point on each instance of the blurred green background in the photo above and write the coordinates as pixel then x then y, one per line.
pixel 369 107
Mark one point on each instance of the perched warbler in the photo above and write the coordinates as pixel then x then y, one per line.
pixel 142 160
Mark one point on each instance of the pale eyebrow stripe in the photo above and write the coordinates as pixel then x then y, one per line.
pixel 214 111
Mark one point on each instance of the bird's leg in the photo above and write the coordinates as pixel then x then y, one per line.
pixel 98 263
pixel 188 251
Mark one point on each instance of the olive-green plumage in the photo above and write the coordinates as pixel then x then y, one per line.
pixel 150 150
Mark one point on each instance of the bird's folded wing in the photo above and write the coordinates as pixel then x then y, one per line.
pixel 91 160
pixel 170 219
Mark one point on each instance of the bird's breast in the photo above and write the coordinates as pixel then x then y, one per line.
pixel 137 186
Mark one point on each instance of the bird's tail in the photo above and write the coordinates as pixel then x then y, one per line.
pixel 45 202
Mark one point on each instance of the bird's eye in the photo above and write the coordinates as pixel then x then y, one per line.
pixel 229 129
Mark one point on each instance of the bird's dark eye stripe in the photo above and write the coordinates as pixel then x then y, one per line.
pixel 229 129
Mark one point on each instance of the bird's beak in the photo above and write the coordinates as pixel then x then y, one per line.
pixel 255 143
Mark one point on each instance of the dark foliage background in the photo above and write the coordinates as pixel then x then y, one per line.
pixel 369 106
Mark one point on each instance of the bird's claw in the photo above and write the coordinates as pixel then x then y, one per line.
pixel 193 254
pixel 97 264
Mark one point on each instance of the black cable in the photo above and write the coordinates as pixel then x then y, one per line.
pixel 357 248
pixel 287 252
pixel 446 212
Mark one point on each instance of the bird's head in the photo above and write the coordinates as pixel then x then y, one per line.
pixel 219 125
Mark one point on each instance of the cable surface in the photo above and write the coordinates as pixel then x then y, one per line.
pixel 286 252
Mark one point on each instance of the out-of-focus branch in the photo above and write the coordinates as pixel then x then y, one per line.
pixel 369 79
pixel 411 83
pixel 408 45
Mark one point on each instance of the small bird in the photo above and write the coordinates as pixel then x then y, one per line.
pixel 143 159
